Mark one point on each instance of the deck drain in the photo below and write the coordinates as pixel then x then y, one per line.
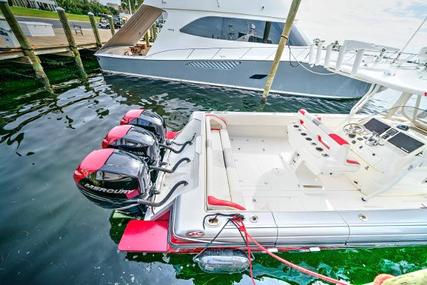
pixel 362 217
pixel 213 222
pixel 253 219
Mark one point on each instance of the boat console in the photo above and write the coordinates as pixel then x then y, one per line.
pixel 386 150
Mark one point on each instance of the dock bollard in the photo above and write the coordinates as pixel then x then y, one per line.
pixel 110 20
pixel 71 42
pixel 25 45
pixel 94 28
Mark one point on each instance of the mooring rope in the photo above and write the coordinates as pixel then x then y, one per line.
pixel 238 222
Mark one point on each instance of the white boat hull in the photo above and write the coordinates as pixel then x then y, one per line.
pixel 286 207
pixel 243 74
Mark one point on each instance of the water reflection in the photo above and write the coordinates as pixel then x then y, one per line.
pixel 174 101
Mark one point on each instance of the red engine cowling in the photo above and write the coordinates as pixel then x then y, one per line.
pixel 113 179
pixel 135 140
pixel 147 120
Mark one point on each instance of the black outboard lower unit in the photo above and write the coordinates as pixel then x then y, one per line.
pixel 113 179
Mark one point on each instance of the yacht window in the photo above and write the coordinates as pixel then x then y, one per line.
pixel 234 29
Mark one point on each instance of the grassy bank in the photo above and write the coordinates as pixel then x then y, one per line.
pixel 27 12
pixel 18 78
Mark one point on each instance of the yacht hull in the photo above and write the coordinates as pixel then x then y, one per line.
pixel 291 77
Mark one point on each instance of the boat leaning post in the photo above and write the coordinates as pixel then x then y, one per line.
pixel 283 41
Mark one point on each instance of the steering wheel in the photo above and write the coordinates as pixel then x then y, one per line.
pixel 353 129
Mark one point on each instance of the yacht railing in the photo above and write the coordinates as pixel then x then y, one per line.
pixel 328 56
pixel 245 50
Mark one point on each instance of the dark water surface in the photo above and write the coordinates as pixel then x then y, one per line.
pixel 50 234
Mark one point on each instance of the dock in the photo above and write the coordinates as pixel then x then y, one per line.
pixel 67 41
pixel 58 44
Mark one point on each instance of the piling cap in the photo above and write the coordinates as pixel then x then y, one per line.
pixel 90 13
pixel 57 8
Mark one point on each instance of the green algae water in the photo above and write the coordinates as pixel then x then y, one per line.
pixel 51 234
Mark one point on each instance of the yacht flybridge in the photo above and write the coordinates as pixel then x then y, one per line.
pixel 224 43
pixel 231 181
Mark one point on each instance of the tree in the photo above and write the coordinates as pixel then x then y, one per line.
pixel 85 6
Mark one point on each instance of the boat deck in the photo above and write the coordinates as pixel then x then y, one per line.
pixel 268 184
pixel 243 159
pixel 264 181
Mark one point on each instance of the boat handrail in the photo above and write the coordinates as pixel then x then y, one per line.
pixel 219 49
pixel 383 55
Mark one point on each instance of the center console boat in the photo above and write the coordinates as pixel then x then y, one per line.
pixel 233 181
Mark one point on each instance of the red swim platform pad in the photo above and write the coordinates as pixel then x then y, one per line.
pixel 145 236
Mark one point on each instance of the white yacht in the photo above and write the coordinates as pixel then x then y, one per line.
pixel 223 43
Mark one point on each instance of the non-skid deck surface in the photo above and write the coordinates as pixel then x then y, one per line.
pixel 268 184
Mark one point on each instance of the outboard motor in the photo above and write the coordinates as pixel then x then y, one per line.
pixel 113 179
pixel 116 179
pixel 147 120
pixel 135 140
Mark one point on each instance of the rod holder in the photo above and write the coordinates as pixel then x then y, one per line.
pixel 328 55
pixel 311 55
pixel 318 53
pixel 340 58
pixel 357 61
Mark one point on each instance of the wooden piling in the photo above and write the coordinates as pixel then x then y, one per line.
pixel 71 41
pixel 25 45
pixel 147 39
pixel 110 20
pixel 153 32
pixel 282 43
pixel 95 29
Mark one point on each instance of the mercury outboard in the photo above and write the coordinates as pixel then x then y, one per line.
pixel 140 142
pixel 115 179
pixel 147 120
pixel 135 140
